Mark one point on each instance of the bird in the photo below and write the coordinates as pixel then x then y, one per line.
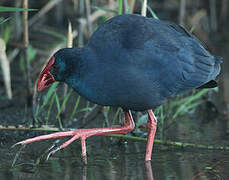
pixel 133 62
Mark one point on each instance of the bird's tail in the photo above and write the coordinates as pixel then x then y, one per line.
pixel 211 82
pixel 218 59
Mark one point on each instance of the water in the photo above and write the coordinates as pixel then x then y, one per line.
pixel 111 159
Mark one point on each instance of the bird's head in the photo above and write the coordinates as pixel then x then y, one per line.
pixel 59 67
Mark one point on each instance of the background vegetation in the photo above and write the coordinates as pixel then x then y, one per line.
pixel 31 31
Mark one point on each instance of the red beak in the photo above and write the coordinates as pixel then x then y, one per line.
pixel 46 79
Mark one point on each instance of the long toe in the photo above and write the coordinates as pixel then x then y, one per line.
pixel 58 135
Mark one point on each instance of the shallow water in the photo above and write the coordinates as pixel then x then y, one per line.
pixel 111 160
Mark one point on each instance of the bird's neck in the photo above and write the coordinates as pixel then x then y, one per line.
pixel 82 69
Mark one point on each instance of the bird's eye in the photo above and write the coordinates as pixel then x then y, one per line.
pixel 55 66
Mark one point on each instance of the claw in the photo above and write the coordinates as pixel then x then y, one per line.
pixel 21 142
pixel 53 145
pixel 49 149
pixel 81 134
pixel 17 154
pixel 52 152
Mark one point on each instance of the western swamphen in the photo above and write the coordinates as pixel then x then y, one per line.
pixel 132 62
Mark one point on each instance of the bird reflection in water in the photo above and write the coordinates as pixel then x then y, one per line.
pixel 149 171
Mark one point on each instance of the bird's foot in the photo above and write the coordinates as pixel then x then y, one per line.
pixel 81 134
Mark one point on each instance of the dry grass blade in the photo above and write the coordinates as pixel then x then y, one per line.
pixel 213 15
pixel 69 45
pixel 97 14
pixel 5 68
pixel 70 35
pixel 182 12
pixel 88 13
pixel 26 44
pixel 75 4
pixel 25 22
pixel 43 11
pixel 131 3
pixel 196 18
pixel 144 8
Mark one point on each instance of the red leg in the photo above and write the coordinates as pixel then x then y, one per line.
pixel 152 126
pixel 82 134
pixel 84 150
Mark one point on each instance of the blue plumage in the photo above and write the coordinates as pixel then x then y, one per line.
pixel 136 63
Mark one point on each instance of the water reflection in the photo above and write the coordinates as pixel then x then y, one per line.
pixel 103 163
pixel 107 161
pixel 149 171
pixel 84 173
